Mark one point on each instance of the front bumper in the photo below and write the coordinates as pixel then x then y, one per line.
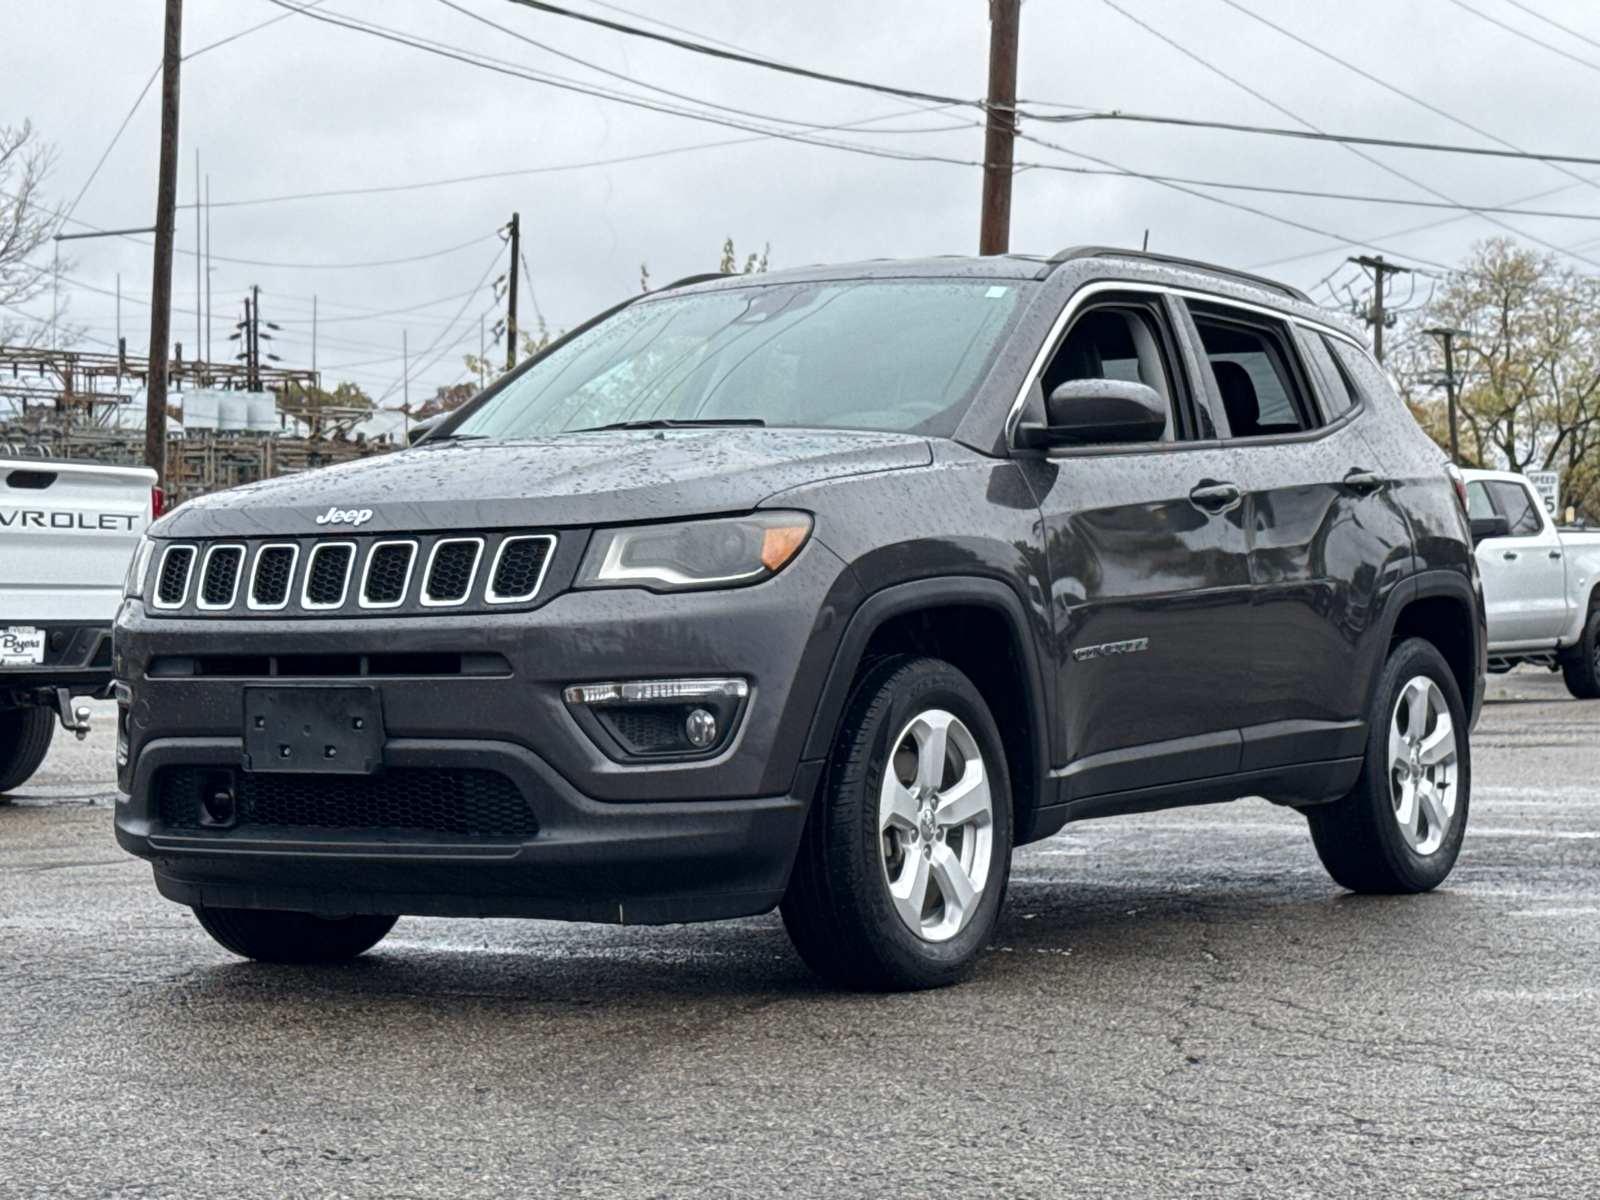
pixel 649 863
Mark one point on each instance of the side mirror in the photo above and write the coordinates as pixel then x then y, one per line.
pixel 421 430
pixel 1488 527
pixel 1095 411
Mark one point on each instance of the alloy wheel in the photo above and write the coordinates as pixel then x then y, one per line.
pixel 1422 764
pixel 935 825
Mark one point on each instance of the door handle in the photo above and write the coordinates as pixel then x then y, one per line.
pixel 1214 497
pixel 1509 555
pixel 1555 554
pixel 1361 480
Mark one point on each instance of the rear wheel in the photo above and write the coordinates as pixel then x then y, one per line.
pixel 1400 829
pixel 25 735
pixel 268 935
pixel 1581 666
pixel 904 861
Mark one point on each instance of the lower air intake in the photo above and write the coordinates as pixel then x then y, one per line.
pixel 457 802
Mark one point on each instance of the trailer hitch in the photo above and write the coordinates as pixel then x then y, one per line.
pixel 74 719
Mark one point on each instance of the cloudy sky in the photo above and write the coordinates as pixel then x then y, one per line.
pixel 331 152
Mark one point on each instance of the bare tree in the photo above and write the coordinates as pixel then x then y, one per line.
pixel 26 223
pixel 1528 362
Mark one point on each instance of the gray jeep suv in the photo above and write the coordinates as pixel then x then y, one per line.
pixel 822 589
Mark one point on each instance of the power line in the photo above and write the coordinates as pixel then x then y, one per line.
pixel 530 75
pixel 1567 29
pixel 1525 36
pixel 653 87
pixel 1310 135
pixel 1433 108
pixel 1362 154
pixel 747 59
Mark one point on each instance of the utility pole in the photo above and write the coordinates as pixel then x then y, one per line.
pixel 208 268
pixel 1448 337
pixel 155 402
pixel 994 236
pixel 313 333
pixel 1376 318
pixel 199 267
pixel 511 292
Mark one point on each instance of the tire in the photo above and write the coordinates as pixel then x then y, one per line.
pixel 1400 829
pixel 25 735
pixel 840 909
pixel 1581 667
pixel 268 935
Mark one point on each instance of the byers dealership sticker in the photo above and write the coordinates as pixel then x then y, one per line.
pixel 21 646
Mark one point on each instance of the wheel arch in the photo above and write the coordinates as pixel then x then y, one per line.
pixel 978 625
pixel 1442 609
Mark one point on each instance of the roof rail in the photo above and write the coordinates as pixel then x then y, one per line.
pixel 1073 252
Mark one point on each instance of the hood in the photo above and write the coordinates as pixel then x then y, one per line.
pixel 598 478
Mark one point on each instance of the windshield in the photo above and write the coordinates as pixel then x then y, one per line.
pixel 901 355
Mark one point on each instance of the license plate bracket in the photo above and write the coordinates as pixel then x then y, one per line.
pixel 21 646
pixel 313 729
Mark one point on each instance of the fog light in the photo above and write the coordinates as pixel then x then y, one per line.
pixel 700 727
pixel 660 718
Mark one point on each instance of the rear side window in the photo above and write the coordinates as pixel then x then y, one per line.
pixel 1255 376
pixel 1333 386
pixel 1517 506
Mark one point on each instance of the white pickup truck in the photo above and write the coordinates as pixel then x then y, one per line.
pixel 1541 583
pixel 67 532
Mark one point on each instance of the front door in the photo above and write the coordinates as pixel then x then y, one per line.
pixel 1150 579
pixel 1524 574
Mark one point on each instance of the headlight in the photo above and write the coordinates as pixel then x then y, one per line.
pixel 724 552
pixel 138 567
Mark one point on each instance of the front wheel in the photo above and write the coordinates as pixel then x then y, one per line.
pixel 906 852
pixel 1580 668
pixel 25 735
pixel 1400 829
pixel 268 935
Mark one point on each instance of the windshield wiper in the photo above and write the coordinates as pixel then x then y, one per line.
pixel 451 437
pixel 693 423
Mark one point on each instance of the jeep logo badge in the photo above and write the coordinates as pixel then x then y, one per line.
pixel 345 516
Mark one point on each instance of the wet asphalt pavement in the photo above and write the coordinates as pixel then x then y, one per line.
pixel 1176 1005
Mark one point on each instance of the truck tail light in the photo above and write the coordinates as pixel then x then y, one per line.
pixel 158 502
pixel 1460 482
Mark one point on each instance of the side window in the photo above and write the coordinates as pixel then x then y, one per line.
pixel 1335 391
pixel 1518 507
pixel 1478 503
pixel 1251 362
pixel 1116 342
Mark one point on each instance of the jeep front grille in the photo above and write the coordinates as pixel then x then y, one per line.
pixel 172 587
pixel 519 568
pixel 328 575
pixel 355 574
pixel 274 570
pixel 451 566
pixel 388 574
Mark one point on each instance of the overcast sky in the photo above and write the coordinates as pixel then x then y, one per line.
pixel 301 106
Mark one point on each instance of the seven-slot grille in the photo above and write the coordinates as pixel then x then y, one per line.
pixel 348 575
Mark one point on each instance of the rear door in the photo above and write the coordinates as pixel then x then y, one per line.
pixel 1326 542
pixel 1524 574
pixel 1150 580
